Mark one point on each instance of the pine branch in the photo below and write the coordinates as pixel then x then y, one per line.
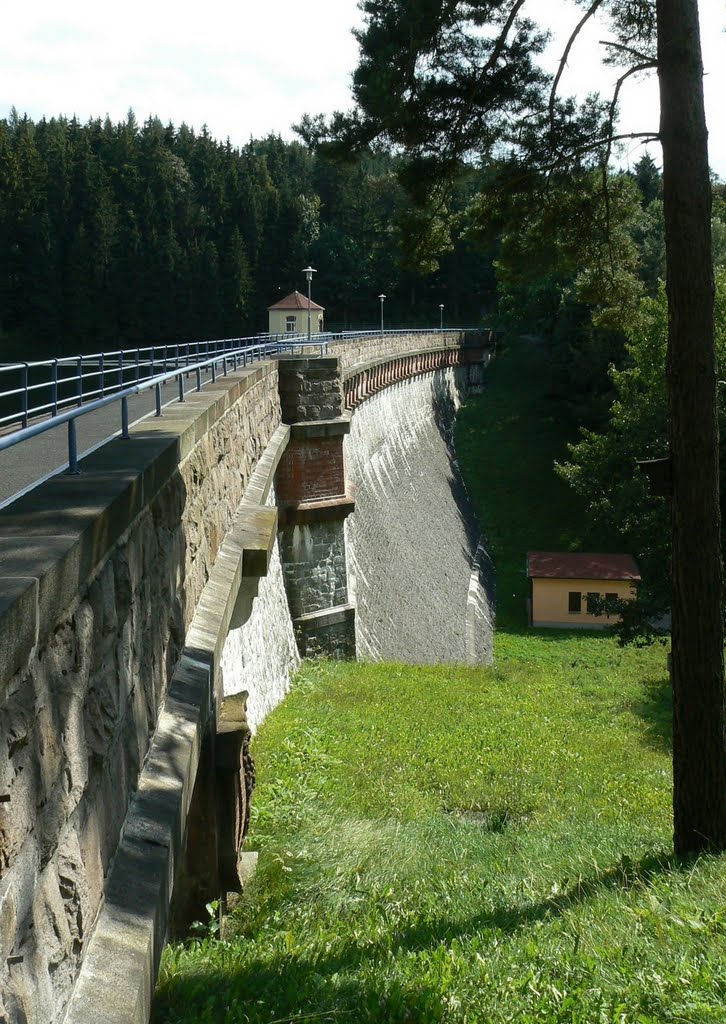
pixel 493 58
pixel 616 93
pixel 644 57
pixel 566 53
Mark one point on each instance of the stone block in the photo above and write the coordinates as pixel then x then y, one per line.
pixel 18 624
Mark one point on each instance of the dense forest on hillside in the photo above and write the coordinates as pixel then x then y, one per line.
pixel 116 234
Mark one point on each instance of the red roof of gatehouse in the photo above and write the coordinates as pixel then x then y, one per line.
pixel 295 301
pixel 580 565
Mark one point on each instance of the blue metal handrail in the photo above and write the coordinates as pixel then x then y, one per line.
pixel 237 357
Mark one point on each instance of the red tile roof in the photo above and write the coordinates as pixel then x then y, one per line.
pixel 295 301
pixel 581 566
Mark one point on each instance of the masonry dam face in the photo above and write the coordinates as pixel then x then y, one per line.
pixel 420 580
pixel 153 611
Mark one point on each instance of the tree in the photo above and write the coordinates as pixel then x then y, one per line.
pixel 699 716
pixel 446 79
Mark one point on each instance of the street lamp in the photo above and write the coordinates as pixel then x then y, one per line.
pixel 382 297
pixel 441 320
pixel 308 272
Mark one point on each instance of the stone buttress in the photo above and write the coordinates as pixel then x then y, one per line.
pixel 313 501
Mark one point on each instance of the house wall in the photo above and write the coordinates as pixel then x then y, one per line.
pixel 278 318
pixel 550 600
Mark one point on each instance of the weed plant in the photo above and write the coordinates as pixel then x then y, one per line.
pixel 443 844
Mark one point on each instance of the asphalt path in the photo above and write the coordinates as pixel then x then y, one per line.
pixel 31 462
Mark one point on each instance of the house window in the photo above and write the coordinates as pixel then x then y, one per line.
pixel 611 597
pixel 290 324
pixel 593 602
pixel 574 604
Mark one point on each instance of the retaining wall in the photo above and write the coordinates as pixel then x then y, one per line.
pixel 101 576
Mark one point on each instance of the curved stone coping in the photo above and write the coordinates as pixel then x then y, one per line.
pixel 365 379
pixel 353 351
pixel 358 368
pixel 117 978
pixel 53 538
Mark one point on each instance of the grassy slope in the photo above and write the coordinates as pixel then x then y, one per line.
pixel 472 845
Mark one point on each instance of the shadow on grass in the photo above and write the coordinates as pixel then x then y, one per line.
pixel 656 710
pixel 321 988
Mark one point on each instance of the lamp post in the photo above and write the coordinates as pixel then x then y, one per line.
pixel 382 298
pixel 308 272
pixel 441 317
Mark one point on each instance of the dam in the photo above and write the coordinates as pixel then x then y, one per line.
pixel 154 610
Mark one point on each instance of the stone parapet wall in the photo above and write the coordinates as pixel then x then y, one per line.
pixel 375 348
pixel 101 576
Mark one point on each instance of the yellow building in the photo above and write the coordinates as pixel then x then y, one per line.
pixel 566 587
pixel 290 315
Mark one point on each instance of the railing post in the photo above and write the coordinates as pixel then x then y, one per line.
pixel 157 390
pixel 72 448
pixel 214 371
pixel 125 418
pixel 180 378
pixel 199 378
pixel 25 395
pixel 54 388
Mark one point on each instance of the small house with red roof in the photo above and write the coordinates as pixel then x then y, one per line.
pixel 567 587
pixel 290 315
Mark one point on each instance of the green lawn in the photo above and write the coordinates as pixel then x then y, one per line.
pixel 472 845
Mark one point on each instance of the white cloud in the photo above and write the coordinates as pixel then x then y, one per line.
pixel 245 70
pixel 255 67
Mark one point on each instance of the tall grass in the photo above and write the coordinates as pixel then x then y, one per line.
pixel 472 845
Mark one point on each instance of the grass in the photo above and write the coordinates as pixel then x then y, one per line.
pixel 471 845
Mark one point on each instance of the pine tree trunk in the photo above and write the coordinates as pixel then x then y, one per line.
pixel 699 714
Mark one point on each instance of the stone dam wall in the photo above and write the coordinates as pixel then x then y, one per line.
pixel 100 577
pixel 421 582
pixel 183 568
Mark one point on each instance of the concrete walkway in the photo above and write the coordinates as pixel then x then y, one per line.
pixel 29 463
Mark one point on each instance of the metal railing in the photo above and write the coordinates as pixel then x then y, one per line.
pixel 72 386
pixel 95 397
pixel 48 386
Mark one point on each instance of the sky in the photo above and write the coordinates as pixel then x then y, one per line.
pixel 254 67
